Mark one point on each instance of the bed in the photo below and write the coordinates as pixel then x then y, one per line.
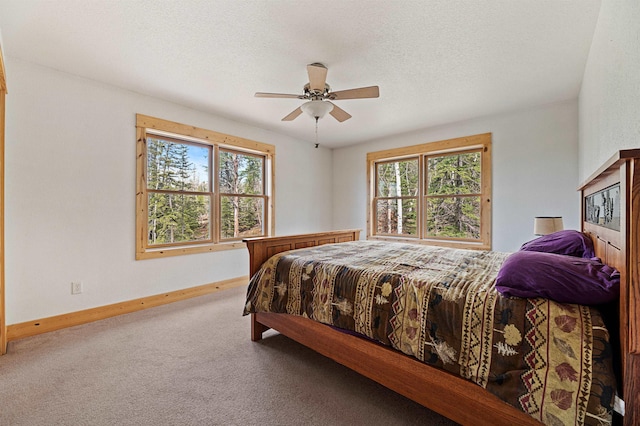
pixel 428 378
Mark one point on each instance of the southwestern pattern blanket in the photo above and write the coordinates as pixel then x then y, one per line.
pixel 439 305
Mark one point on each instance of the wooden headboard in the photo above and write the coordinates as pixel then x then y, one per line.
pixel 611 216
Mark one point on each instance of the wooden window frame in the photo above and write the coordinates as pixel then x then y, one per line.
pixel 476 143
pixel 182 133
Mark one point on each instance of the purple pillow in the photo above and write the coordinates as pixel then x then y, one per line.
pixel 565 279
pixel 568 242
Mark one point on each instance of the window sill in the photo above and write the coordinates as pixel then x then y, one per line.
pixel 179 251
pixel 440 243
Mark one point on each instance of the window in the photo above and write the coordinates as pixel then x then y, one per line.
pixel 397 197
pixel 453 195
pixel 179 192
pixel 242 198
pixel 437 193
pixel 199 190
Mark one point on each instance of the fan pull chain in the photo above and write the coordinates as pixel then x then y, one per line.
pixel 317 132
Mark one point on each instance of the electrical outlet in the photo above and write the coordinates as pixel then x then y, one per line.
pixel 76 287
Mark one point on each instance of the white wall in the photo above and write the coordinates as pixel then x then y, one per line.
pixel 610 95
pixel 70 195
pixel 534 170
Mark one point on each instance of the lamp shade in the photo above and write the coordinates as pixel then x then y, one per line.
pixel 316 109
pixel 543 225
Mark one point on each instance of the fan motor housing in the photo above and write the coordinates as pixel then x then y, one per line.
pixel 316 93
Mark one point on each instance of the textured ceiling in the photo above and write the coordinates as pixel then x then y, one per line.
pixel 436 61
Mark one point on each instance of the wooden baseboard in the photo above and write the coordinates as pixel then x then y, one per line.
pixel 45 325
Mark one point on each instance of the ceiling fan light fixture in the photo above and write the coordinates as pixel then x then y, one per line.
pixel 316 109
pixel 319 96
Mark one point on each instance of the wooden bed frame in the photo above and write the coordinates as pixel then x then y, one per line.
pixel 458 399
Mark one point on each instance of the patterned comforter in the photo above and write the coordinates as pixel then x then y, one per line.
pixel 439 305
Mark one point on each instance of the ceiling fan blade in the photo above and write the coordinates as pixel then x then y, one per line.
pixel 278 95
pixel 293 115
pixel 338 113
pixel 362 92
pixel 317 77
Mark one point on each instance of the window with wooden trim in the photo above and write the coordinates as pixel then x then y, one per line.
pixel 199 190
pixel 437 193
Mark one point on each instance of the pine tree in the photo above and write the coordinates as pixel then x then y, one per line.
pixel 453 178
pixel 241 176
pixel 175 216
pixel 397 179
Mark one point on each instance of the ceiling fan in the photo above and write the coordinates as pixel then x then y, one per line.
pixel 319 96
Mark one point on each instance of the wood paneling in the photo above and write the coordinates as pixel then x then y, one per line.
pixel 273 250
pixel 305 244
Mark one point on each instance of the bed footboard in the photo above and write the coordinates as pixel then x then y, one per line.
pixel 261 249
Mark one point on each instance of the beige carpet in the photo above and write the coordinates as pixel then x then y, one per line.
pixel 188 363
